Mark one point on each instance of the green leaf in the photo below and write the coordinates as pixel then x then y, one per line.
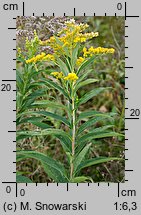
pixel 34 85
pixel 40 124
pixel 90 95
pixel 81 156
pixel 74 55
pixel 22 179
pixel 102 128
pixel 85 64
pixel 95 161
pixel 29 120
pixel 68 64
pixel 65 142
pixel 56 86
pixel 54 169
pixel 85 75
pixel 47 103
pixel 45 132
pixel 93 113
pixel 62 65
pixel 92 122
pixel 28 100
pixel 96 135
pixel 84 83
pixel 20 157
pixel 54 116
pixel 92 135
pixel 19 80
pixel 46 113
pixel 81 179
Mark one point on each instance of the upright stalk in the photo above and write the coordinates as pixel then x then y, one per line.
pixel 73 132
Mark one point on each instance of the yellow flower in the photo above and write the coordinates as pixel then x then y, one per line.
pixel 49 57
pixel 71 77
pixel 99 50
pixel 41 57
pixel 57 75
pixel 80 60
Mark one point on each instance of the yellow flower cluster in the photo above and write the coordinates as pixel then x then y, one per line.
pixel 71 77
pixel 40 57
pixel 79 61
pixel 69 37
pixel 99 50
pixel 83 37
pixel 58 75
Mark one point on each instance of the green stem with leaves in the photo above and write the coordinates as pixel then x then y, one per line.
pixel 73 132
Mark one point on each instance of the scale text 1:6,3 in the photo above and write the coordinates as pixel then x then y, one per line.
pixel 126 206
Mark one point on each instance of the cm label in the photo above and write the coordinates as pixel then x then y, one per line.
pixel 10 6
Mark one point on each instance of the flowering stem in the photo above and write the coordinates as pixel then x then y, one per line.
pixel 73 133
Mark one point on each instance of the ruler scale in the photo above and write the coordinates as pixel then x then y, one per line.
pixel 56 198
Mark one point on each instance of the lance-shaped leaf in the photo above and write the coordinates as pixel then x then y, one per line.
pixel 79 158
pixel 22 179
pixel 85 64
pixel 84 83
pixel 96 135
pixel 53 168
pixel 48 114
pixel 90 95
pixel 62 65
pixel 92 122
pixel 45 132
pixel 47 103
pixel 56 86
pixel 95 161
pixel 80 179
pixel 93 113
pixel 74 55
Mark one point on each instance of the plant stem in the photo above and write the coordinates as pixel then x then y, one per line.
pixel 73 134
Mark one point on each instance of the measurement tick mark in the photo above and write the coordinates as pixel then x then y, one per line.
pixel 125 10
pixel 12 131
pixel 128 67
pixel 74 11
pixel 118 189
pixel 8 80
pixel 67 187
pixel 16 189
pixel 23 9
pixel 11 28
pixel 132 118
